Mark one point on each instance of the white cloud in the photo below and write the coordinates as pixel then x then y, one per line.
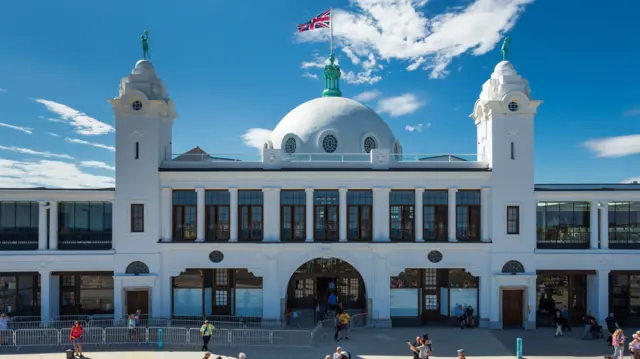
pixel 367 96
pixel 632 112
pixel 28 151
pixel 94 144
pixel 47 173
pixel 26 130
pixel 83 124
pixel 310 75
pixel 256 137
pixel 615 146
pixel 399 30
pixel 632 180
pixel 400 105
pixel 417 128
pixel 97 164
pixel 53 134
pixel 351 55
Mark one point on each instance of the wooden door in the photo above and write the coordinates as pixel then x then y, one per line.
pixel 138 299
pixel 512 307
pixel 221 292
pixel 430 296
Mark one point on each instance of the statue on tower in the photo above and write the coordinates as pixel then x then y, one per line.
pixel 505 48
pixel 145 44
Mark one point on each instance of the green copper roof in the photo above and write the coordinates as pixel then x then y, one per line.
pixel 332 79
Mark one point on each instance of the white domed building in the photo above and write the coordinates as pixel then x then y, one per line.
pixel 332 205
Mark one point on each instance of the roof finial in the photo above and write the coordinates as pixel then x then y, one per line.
pixel 145 44
pixel 332 79
pixel 505 48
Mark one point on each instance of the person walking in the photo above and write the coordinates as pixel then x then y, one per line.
pixel 76 339
pixel 560 322
pixel 617 340
pixel 206 331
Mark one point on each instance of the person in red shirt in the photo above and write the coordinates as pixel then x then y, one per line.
pixel 76 339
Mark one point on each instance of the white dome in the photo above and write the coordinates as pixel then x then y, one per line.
pixel 355 129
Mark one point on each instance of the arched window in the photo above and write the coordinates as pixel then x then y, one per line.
pixel 513 267
pixel 370 144
pixel 136 268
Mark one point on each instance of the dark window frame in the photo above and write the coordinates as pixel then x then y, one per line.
pixel 293 205
pixel 73 237
pixel 513 223
pixel 440 211
pixel 407 226
pixel 77 289
pixel 36 294
pixel 473 215
pixel 561 232
pixel 179 213
pixel 361 208
pixel 250 208
pixel 137 218
pixel 217 206
pixel 19 237
pixel 327 208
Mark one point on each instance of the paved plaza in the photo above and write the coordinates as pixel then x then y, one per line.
pixel 378 344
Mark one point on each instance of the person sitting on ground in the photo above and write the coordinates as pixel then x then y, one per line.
pixel 468 316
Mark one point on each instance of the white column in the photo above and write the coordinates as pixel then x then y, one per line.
pixel 271 214
pixel 201 222
pixel 452 215
pixel 43 226
pixel 309 214
pixel 419 226
pixel 484 303
pixel 343 214
pixel 484 215
pixel 382 294
pixel 45 288
pixel 166 203
pixel 118 307
pixel 604 225
pixel 603 295
pixel 593 225
pixel 271 291
pixel 531 303
pixel 53 225
pixel 233 216
pixel 381 215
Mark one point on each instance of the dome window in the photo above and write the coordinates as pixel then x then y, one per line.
pixel 290 145
pixel 330 143
pixel 370 144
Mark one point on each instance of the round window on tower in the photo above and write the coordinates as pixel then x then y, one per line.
pixel 290 145
pixel 370 144
pixel 136 105
pixel 513 106
pixel 330 143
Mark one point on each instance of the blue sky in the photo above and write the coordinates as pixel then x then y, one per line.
pixel 233 76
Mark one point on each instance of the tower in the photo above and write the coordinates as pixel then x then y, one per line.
pixel 332 79
pixel 144 116
pixel 504 116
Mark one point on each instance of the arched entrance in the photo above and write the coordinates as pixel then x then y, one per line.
pixel 312 280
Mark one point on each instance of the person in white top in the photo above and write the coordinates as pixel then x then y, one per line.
pixel 423 349
pixel 341 354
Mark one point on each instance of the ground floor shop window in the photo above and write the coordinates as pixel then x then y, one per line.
pixel 20 294
pixel 432 294
pixel 86 294
pixel 220 291
pixel 564 292
pixel 624 297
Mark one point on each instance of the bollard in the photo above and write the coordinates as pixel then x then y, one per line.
pixel 160 343
pixel 519 348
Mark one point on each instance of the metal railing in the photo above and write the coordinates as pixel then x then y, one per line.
pixel 552 239
pixel 325 157
pixel 19 241
pixel 50 337
pixel 230 323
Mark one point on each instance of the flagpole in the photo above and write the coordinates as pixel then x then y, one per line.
pixel 331 31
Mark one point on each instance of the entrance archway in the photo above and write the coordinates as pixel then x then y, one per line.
pixel 312 281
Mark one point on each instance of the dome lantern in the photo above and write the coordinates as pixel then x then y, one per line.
pixel 332 79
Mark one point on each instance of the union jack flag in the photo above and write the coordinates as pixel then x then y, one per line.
pixel 322 21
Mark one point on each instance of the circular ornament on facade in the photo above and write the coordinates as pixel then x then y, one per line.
pixel 137 268
pixel 370 144
pixel 434 256
pixel 290 145
pixel 330 143
pixel 513 106
pixel 136 105
pixel 216 256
